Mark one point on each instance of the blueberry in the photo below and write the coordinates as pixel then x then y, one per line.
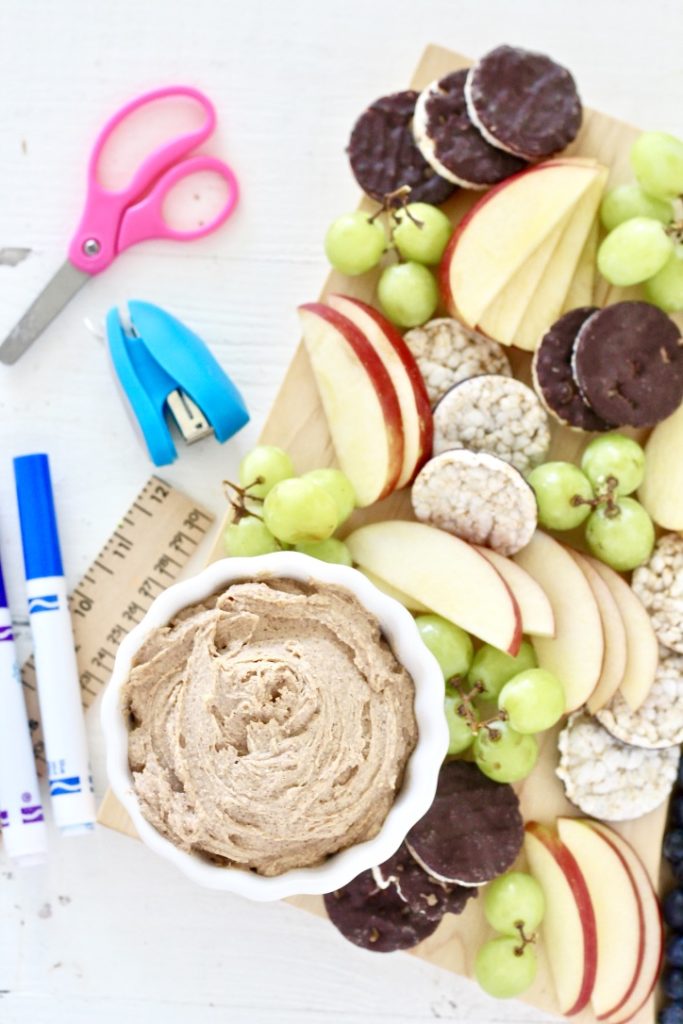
pixel 676 809
pixel 674 951
pixel 672 847
pixel 671 1014
pixel 672 982
pixel 677 871
pixel 673 909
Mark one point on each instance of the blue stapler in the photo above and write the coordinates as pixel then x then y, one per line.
pixel 165 369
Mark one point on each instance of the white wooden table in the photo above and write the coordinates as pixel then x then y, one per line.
pixel 105 932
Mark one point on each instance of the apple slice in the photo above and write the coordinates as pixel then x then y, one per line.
pixel 416 411
pixel 443 572
pixel 652 921
pixel 411 603
pixel 502 317
pixel 569 928
pixel 618 914
pixel 576 651
pixel 583 283
pixel 503 230
pixel 534 606
pixel 546 303
pixel 642 650
pixel 661 492
pixel 359 399
pixel 614 632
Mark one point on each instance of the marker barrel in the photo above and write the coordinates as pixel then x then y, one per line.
pixel 59 690
pixel 24 834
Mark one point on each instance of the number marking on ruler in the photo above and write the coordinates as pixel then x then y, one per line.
pixel 145 553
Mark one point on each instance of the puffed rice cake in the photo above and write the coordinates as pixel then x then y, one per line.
pixel 494 414
pixel 478 497
pixel 446 353
pixel 659 585
pixel 608 779
pixel 658 722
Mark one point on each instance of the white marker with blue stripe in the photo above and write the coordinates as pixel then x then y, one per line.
pixel 59 691
pixel 21 813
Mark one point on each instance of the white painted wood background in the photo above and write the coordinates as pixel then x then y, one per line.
pixel 106 933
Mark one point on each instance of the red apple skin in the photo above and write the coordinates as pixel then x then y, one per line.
pixel 380 380
pixel 641 926
pixel 614 1017
pixel 422 403
pixel 576 881
pixel 443 274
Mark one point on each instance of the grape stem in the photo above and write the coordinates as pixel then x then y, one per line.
pixel 606 498
pixel 525 940
pixel 468 711
pixel 399 197
pixel 675 230
pixel 238 501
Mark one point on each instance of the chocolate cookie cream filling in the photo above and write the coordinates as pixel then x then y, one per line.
pixel 269 726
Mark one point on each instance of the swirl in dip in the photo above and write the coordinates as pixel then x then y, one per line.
pixel 269 726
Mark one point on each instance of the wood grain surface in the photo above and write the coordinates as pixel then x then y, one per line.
pixel 297 423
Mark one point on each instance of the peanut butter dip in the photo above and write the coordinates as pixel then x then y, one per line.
pixel 270 725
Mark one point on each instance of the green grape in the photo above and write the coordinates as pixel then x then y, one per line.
pixel 330 550
pixel 614 455
pixel 627 201
pixel 299 511
pixel 503 754
pixel 634 251
pixel 267 463
pixel 513 900
pixel 657 159
pixel 493 668
pixel 556 485
pixel 354 243
pixel 665 289
pixel 622 540
pixel 338 486
pixel 408 294
pixel 534 700
pixel 425 240
pixel 249 536
pixel 460 736
pixel 504 967
pixel 450 645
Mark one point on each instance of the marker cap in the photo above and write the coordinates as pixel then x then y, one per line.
pixel 39 537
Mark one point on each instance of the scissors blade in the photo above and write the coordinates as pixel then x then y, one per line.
pixel 51 301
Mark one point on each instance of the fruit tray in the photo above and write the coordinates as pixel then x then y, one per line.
pixel 297 423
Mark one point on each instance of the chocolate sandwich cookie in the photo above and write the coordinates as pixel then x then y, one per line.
pixel 384 157
pixel 552 374
pixel 473 831
pixel 523 102
pixel 449 141
pixel 422 892
pixel 628 364
pixel 375 918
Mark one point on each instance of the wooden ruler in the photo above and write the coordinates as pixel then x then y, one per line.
pixel 145 553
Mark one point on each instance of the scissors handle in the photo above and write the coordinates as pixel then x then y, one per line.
pixel 97 240
pixel 146 220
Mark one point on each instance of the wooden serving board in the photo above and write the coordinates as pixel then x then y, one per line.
pixel 297 423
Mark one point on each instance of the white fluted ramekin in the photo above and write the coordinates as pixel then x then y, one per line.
pixel 419 785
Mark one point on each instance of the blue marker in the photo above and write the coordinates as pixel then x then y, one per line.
pixel 21 812
pixel 59 691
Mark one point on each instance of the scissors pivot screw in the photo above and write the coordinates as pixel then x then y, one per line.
pixel 91 247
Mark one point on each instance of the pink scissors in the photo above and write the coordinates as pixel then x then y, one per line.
pixel 114 220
